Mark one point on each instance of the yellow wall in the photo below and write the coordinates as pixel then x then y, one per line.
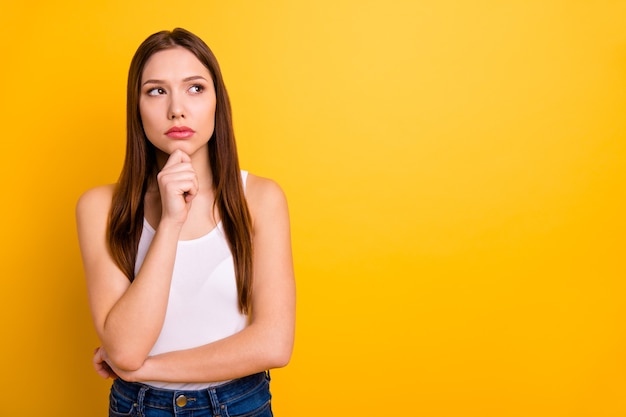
pixel 455 171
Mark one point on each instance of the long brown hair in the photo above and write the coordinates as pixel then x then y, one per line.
pixel 140 168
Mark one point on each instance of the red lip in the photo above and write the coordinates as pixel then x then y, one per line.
pixel 179 129
pixel 180 132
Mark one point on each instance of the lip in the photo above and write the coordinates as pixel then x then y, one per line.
pixel 180 132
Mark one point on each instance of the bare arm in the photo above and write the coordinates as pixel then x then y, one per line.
pixel 128 317
pixel 268 341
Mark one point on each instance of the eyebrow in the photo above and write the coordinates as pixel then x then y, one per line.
pixel 187 79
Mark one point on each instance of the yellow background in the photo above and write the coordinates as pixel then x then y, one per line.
pixel 455 171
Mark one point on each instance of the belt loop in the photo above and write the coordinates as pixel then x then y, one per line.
pixel 267 374
pixel 215 402
pixel 140 398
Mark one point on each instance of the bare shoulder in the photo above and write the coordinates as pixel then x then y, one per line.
pixel 262 191
pixel 95 201
pixel 264 196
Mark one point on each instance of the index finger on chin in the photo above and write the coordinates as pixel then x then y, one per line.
pixel 177 157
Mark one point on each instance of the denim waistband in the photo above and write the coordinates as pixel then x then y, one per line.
pixel 211 397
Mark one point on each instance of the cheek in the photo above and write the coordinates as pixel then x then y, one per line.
pixel 211 112
pixel 142 115
pixel 205 114
pixel 146 119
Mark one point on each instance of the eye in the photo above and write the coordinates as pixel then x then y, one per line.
pixel 196 89
pixel 157 91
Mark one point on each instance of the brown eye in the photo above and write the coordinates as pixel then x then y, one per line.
pixel 156 91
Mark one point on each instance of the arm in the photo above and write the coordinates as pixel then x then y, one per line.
pixel 267 342
pixel 128 317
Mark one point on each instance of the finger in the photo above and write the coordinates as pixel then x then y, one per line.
pixel 174 165
pixel 103 369
pixel 103 372
pixel 106 372
pixel 178 172
pixel 110 373
pixel 179 182
pixel 189 196
pixel 176 157
pixel 100 367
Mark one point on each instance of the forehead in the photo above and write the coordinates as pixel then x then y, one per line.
pixel 173 64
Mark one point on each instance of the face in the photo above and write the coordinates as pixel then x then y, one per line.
pixel 177 102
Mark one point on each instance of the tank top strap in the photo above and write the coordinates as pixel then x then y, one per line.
pixel 244 177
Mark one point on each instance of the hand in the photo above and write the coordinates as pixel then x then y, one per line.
pixel 100 364
pixel 178 185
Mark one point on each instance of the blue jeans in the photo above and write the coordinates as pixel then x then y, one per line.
pixel 244 397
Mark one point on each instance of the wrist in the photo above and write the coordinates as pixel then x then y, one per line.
pixel 169 227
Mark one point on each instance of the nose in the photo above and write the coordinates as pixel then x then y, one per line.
pixel 175 110
pixel 176 114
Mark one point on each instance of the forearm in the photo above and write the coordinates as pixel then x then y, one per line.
pixel 133 325
pixel 128 316
pixel 252 350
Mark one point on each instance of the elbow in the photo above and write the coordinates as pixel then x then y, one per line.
pixel 281 354
pixel 130 365
pixel 126 362
pixel 278 345
pixel 281 362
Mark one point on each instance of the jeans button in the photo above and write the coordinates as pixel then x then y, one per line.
pixel 181 401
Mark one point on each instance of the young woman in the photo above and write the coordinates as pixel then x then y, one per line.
pixel 187 258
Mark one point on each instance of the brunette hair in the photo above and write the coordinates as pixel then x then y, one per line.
pixel 140 168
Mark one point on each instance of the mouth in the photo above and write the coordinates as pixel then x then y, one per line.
pixel 180 132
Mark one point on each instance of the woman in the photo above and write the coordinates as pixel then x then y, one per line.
pixel 187 258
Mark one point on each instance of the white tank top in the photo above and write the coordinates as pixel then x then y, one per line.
pixel 203 304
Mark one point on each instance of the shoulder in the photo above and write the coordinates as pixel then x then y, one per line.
pixel 95 200
pixel 92 213
pixel 264 197
pixel 262 191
